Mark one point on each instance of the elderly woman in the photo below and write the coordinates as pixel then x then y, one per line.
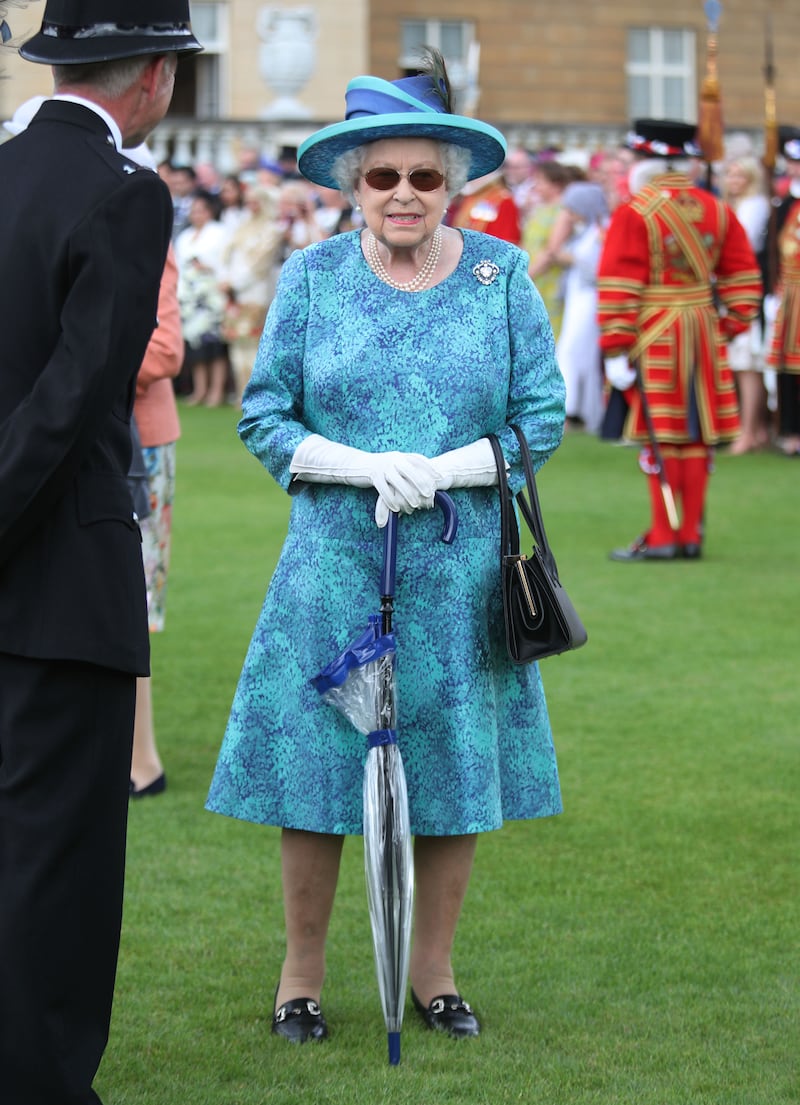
pixel 387 355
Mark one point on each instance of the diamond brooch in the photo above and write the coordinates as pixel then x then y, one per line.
pixel 486 272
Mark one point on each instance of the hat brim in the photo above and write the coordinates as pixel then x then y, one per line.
pixel 50 50
pixel 318 153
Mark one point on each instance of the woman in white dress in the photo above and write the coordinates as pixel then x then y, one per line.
pixel 584 214
pixel 743 191
pixel 198 250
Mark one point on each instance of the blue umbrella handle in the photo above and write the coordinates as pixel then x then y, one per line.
pixel 448 509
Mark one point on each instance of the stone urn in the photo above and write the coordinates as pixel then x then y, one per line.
pixel 287 58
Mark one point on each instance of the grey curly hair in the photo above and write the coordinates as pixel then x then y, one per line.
pixel 456 160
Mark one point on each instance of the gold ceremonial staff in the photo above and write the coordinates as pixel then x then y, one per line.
pixel 771 139
pixel 661 472
pixel 710 130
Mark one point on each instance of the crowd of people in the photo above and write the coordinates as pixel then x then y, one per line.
pixel 234 231
pixel 232 234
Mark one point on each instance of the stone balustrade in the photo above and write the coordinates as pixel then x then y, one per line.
pixel 223 143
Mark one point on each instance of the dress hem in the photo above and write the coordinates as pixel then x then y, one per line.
pixel 340 830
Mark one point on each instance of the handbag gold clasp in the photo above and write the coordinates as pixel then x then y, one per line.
pixel 523 579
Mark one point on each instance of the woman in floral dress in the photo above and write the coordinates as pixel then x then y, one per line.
pixel 387 356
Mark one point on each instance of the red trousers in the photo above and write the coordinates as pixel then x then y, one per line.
pixel 687 469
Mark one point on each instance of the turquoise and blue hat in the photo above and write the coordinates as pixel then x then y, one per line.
pixel 408 108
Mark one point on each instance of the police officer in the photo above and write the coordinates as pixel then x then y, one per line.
pixel 83 239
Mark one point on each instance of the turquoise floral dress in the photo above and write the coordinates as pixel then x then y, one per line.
pixel 346 356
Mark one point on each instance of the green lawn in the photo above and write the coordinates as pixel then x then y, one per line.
pixel 641 949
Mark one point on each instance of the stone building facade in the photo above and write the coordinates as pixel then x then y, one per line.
pixel 571 73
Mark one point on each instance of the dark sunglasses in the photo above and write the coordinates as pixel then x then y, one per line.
pixel 421 180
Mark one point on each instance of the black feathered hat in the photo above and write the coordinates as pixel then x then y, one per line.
pixel 663 138
pixel 789 139
pixel 78 32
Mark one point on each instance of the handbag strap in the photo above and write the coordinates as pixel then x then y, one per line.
pixel 509 531
pixel 529 507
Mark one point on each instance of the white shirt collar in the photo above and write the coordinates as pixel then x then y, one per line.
pixel 109 120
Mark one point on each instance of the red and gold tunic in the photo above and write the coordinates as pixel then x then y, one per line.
pixel 677 278
pixel 784 350
pixel 491 210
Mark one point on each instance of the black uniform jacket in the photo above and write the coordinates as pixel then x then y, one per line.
pixel 83 239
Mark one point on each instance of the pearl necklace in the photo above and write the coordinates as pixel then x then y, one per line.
pixel 424 274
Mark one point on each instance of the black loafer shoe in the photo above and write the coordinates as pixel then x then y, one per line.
pixel 299 1020
pixel 158 786
pixel 641 551
pixel 449 1013
pixel 692 551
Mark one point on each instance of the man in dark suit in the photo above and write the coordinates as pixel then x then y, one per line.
pixel 83 238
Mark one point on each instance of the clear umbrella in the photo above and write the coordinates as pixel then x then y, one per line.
pixel 361 684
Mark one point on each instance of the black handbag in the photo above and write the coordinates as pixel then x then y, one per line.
pixel 539 616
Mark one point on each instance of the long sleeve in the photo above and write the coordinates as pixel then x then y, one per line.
pixel 164 354
pixel 738 280
pixel 622 275
pixel 155 408
pixel 272 418
pixel 536 391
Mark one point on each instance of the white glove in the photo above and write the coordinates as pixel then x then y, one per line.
pixel 619 372
pixel 771 305
pixel 470 466
pixel 404 481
